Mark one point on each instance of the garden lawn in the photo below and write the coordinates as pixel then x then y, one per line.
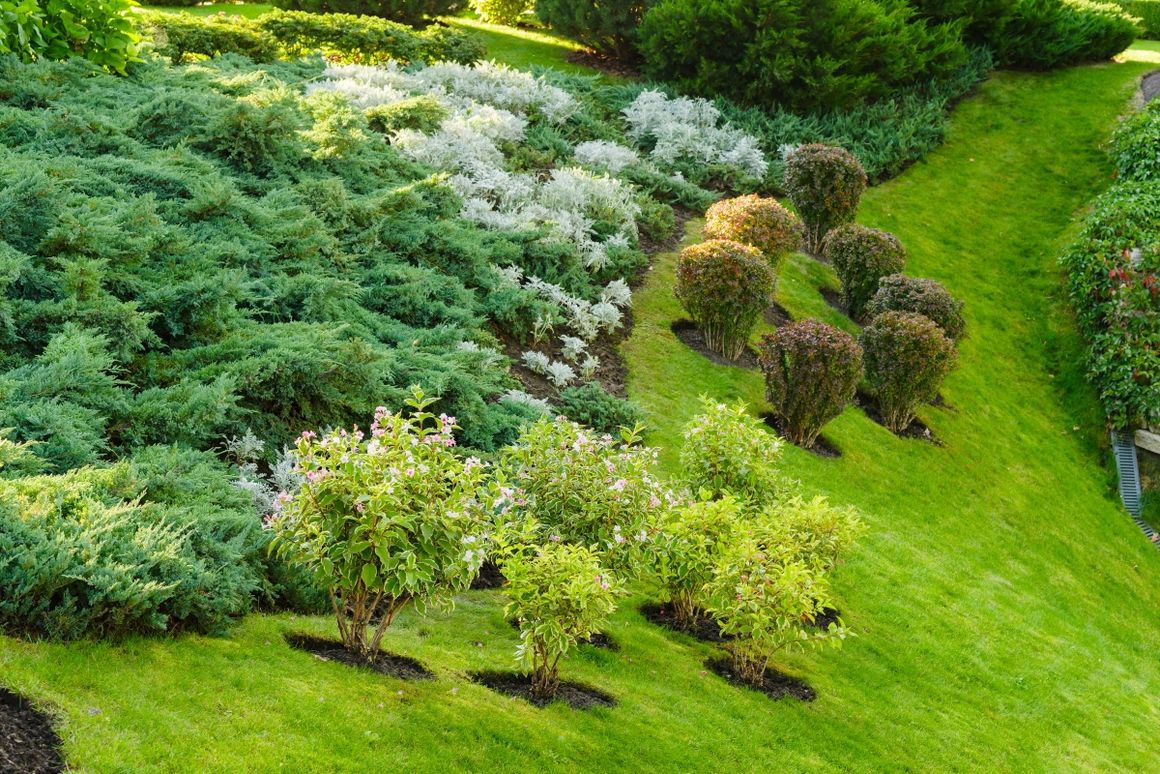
pixel 1006 607
pixel 249 10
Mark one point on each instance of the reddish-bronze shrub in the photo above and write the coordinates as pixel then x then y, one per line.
pixel 757 221
pixel 724 286
pixel 907 357
pixel 861 257
pixel 825 184
pixel 811 372
pixel 900 293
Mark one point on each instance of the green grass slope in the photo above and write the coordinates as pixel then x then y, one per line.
pixel 1007 609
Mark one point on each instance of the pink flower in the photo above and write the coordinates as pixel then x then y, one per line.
pixel 619 485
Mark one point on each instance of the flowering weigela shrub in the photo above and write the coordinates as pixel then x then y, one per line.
pixel 724 286
pixel 901 293
pixel 811 372
pixel 691 542
pixel 861 257
pixel 820 533
pixel 386 520
pixel 764 596
pixel 907 357
pixel 728 452
pixel 757 221
pixel 558 594
pixel 587 489
pixel 825 184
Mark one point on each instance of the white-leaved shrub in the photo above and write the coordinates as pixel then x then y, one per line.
pixel 605 156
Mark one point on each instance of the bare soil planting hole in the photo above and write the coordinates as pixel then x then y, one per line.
pixel 576 695
pixel 389 664
pixel 28 742
pixel 689 334
pixel 821 446
pixel 705 630
pixel 773 684
pixel 917 429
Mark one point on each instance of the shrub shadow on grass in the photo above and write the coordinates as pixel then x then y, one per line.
pixel 705 630
pixel 389 664
pixel 28 741
pixel 833 298
pixel 576 695
pixel 917 429
pixel 692 337
pixel 773 684
pixel 821 447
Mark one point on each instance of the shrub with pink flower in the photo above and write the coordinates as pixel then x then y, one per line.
pixel 558 594
pixel 388 520
pixel 757 221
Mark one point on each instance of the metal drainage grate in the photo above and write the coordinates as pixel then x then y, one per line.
pixel 1124 445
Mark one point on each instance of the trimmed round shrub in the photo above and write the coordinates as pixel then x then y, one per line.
pixel 501 11
pixel 608 27
pixel 900 293
pixel 825 183
pixel 757 221
pixel 861 257
pixel 811 372
pixel 907 357
pixel 724 286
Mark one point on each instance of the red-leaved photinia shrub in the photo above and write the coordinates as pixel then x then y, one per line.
pixel 811 372
pixel 724 286
pixel 907 357
pixel 901 293
pixel 824 183
pixel 861 257
pixel 757 221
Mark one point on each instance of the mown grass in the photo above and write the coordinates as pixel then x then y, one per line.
pixel 248 10
pixel 1005 606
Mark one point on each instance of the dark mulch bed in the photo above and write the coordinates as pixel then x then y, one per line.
pixel 821 446
pixel 688 332
pixel 1150 85
pixel 777 315
pixel 402 667
pixel 705 630
pixel 833 298
pixel 577 695
pixel 489 577
pixel 917 429
pixel 28 742
pixel 825 618
pixel 774 684
pixel 603 63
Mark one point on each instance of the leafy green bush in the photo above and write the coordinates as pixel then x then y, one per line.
pixel 502 11
pixel 797 53
pixel 422 114
pixel 756 221
pixel 901 293
pixel 1134 145
pixel 593 406
pixel 764 596
pixel 98 30
pixel 724 286
pixel 412 12
pixel 729 453
pixel 609 499
pixel 340 36
pixel 1147 11
pixel 819 534
pixel 825 184
pixel 610 28
pixel 811 373
pixel 558 594
pixel 383 522
pixel 907 357
pixel 1044 34
pixel 1113 275
pixel 862 256
pixel 690 544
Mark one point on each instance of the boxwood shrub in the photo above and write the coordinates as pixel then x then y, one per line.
pixel 862 256
pixel 901 293
pixel 724 286
pixel 825 184
pixel 907 357
pixel 811 373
